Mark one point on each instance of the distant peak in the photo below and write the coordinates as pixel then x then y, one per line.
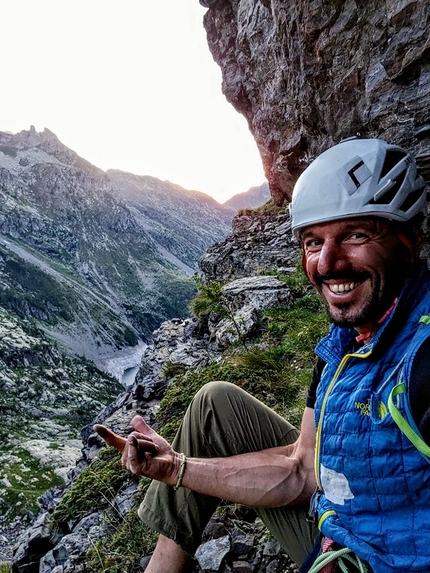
pixel 48 133
pixel 36 136
pixel 29 137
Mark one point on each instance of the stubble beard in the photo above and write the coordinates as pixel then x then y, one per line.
pixel 345 316
pixel 377 302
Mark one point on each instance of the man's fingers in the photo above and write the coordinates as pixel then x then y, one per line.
pixel 110 437
pixel 135 456
pixel 142 443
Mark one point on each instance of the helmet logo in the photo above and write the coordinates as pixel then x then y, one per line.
pixel 353 174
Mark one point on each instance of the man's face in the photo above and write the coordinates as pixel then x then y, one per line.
pixel 358 266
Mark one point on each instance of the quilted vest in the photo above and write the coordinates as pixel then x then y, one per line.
pixel 373 484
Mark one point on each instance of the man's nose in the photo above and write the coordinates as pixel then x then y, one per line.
pixel 331 258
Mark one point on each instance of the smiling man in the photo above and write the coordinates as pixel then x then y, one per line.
pixel 352 488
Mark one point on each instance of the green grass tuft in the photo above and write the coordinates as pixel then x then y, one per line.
pixel 269 208
pixel 127 541
pixel 209 298
pixel 93 489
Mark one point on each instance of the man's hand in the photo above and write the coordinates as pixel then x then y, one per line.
pixel 273 477
pixel 144 452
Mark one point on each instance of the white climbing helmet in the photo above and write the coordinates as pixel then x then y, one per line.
pixel 358 177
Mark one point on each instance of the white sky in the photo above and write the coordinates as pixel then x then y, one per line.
pixel 128 85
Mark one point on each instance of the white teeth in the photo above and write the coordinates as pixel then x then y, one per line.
pixel 344 287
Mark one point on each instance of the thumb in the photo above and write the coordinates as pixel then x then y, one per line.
pixel 110 437
pixel 141 426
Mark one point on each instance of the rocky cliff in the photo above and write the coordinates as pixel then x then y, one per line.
pixel 306 74
pixel 256 245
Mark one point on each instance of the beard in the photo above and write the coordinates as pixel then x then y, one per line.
pixel 380 297
pixel 345 316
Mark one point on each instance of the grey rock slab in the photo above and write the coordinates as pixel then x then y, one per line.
pixel 210 554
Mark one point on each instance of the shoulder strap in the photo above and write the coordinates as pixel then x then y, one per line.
pixel 403 424
pixel 400 420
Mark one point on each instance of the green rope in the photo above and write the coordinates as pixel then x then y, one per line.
pixel 357 562
pixel 341 554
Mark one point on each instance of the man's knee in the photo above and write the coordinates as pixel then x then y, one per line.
pixel 215 393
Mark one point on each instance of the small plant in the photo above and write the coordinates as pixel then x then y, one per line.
pixel 93 489
pixel 209 298
pixel 297 282
pixel 126 540
pixel 170 370
pixel 269 209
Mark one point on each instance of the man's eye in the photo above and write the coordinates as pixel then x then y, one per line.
pixel 312 244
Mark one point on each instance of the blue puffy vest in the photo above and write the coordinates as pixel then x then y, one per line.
pixel 374 484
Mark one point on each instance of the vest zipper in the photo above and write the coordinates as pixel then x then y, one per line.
pixel 320 422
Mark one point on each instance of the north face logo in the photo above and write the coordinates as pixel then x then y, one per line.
pixel 364 407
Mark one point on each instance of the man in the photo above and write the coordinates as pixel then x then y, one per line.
pixel 362 454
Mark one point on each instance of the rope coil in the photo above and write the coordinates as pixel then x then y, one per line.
pixel 344 557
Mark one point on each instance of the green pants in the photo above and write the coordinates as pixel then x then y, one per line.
pixel 223 420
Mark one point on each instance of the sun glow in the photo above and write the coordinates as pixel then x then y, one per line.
pixel 128 86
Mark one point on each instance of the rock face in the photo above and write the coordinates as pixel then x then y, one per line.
pixel 244 299
pixel 256 244
pixel 307 74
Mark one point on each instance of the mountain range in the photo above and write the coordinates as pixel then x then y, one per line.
pixel 98 259
pixel 254 197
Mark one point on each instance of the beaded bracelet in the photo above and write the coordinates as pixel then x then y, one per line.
pixel 181 472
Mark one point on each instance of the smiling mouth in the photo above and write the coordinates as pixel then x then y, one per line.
pixel 343 287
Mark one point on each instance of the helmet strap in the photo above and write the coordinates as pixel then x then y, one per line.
pixel 403 239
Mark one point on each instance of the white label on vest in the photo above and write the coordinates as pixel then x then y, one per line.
pixel 335 486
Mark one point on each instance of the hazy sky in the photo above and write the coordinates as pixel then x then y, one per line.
pixel 126 84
